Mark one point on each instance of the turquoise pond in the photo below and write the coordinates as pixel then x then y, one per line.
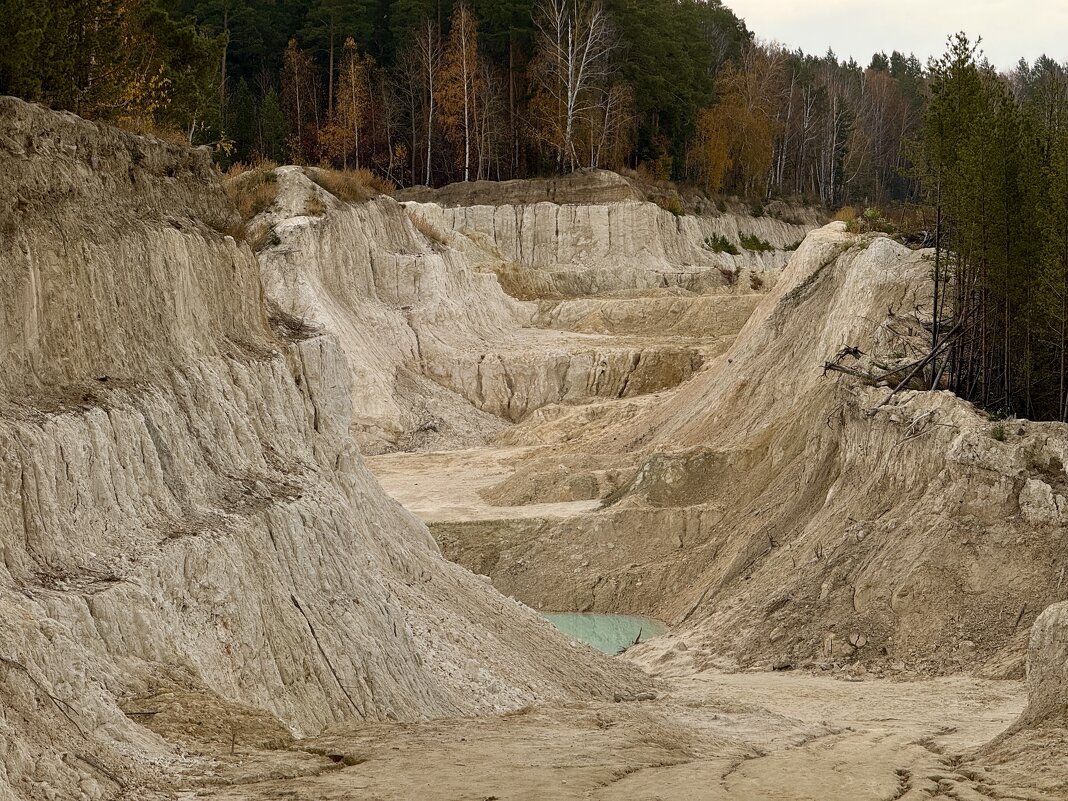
pixel 607 633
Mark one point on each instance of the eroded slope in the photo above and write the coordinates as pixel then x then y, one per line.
pixel 183 508
pixel 782 516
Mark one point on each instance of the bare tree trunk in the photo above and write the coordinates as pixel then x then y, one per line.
pixel 467 103
pixel 222 71
pixel 330 74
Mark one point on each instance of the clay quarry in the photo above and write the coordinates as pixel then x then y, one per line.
pixel 285 501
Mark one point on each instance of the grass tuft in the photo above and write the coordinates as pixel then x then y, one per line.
pixel 252 189
pixel 428 229
pixel 718 243
pixel 671 203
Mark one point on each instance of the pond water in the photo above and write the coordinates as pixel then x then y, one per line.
pixel 608 633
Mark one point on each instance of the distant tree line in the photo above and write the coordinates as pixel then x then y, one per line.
pixel 440 90
pixel 432 91
pixel 129 60
pixel 994 166
pixel 788 124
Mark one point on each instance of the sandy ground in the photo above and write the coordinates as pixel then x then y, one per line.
pixel 711 737
pixel 444 486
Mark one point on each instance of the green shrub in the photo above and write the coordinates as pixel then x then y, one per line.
pixel 997 431
pixel 794 245
pixel 757 209
pixel 755 243
pixel 718 243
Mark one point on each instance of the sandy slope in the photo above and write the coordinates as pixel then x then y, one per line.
pixel 779 518
pixel 184 512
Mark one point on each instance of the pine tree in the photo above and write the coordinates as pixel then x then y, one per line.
pixel 27 23
pixel 327 24
pixel 241 125
pixel 272 127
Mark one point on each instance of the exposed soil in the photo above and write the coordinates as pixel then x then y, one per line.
pixel 543 509
pixel 711 736
pixel 206 593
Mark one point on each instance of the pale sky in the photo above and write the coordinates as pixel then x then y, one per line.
pixel 858 28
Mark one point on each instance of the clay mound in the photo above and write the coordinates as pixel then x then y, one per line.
pixel 184 512
pixel 781 516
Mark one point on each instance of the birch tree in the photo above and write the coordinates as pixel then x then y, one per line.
pixel 575 42
pixel 300 99
pixel 353 97
pixel 427 60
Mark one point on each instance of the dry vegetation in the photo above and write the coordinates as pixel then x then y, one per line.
pixel 145 125
pixel 314 206
pixel 252 188
pixel 428 229
pixel 846 214
pixel 352 186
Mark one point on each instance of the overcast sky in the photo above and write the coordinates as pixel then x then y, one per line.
pixel 1010 28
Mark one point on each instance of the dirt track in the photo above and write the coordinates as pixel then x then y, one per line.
pixel 720 737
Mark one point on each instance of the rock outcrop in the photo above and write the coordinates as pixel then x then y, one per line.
pixel 408 308
pixel 183 508
pixel 780 515
pixel 1047 669
pixel 600 237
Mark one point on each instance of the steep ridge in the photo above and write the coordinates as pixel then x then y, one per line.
pixel 183 509
pixel 780 516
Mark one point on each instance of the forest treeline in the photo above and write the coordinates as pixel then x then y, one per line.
pixel 993 164
pixel 433 91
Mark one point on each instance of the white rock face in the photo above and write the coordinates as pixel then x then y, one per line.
pixel 406 308
pixel 180 500
pixel 595 248
pixel 1047 667
pixel 1039 504
pixel 767 504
